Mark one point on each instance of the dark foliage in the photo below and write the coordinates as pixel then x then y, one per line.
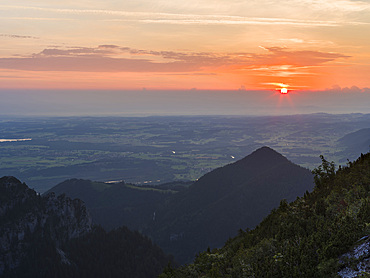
pixel 305 238
pixel 119 253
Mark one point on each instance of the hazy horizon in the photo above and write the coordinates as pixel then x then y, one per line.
pixel 191 102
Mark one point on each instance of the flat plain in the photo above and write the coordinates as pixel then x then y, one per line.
pixel 153 150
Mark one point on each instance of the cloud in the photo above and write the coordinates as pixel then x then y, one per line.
pixel 198 20
pixel 192 74
pixel 100 50
pixel 93 64
pixel 284 56
pixel 203 19
pixel 353 89
pixel 18 36
pixel 338 5
pixel 194 19
pixel 284 62
pixel 113 58
pixel 300 41
pixel 110 46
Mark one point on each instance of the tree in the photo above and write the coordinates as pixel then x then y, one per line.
pixel 324 173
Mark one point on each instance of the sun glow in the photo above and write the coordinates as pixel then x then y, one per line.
pixel 284 91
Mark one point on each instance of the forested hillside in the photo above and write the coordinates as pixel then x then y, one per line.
pixel 238 195
pixel 322 234
pixel 115 204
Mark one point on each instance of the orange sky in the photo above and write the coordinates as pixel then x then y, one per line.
pixel 179 45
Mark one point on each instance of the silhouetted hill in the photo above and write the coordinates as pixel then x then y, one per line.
pixel 325 233
pixel 221 202
pixel 49 236
pixel 113 205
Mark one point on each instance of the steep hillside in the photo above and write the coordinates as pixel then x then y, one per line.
pixel 322 234
pixel 235 196
pixel 25 216
pixel 52 236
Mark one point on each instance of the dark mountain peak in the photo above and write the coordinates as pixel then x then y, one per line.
pixel 18 200
pixel 26 217
pixel 9 181
pixel 13 192
pixel 74 181
pixel 260 161
pixel 265 151
pixel 235 196
pixel 264 155
pixel 11 184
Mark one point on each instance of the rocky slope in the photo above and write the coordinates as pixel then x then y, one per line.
pixel 49 236
pixel 356 262
pixel 23 214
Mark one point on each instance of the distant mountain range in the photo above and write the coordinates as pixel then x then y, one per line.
pixel 184 221
pixel 49 236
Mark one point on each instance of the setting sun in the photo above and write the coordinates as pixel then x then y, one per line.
pixel 283 90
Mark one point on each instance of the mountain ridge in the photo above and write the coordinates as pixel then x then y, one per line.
pixel 127 204
pixel 239 194
pixel 210 210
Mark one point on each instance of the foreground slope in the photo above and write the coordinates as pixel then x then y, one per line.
pixel 235 196
pixel 326 233
pixel 52 236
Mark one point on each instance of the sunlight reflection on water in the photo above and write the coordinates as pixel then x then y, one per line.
pixel 14 140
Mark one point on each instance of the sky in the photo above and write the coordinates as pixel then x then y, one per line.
pixel 172 52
